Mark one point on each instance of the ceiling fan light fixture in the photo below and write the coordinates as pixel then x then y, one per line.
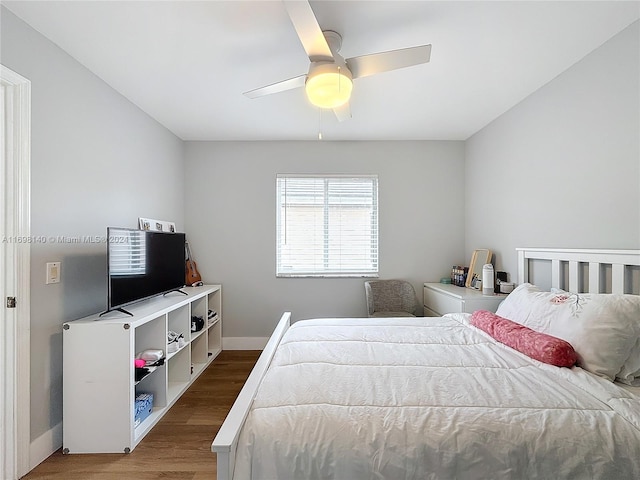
pixel 328 85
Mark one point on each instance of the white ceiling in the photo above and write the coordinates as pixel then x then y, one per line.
pixel 187 63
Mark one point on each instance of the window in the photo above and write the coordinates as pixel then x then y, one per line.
pixel 327 226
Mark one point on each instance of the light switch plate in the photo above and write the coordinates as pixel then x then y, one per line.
pixel 53 272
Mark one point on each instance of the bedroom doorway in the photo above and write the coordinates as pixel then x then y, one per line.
pixel 15 131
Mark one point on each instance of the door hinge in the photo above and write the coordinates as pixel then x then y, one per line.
pixel 11 302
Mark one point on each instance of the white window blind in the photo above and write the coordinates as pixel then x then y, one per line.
pixel 327 226
pixel 127 253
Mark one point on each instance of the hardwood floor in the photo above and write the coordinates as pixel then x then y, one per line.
pixel 179 446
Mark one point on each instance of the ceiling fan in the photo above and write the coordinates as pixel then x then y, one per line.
pixel 329 82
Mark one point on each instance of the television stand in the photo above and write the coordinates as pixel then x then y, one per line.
pixel 99 384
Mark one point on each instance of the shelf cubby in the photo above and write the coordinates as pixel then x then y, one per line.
pixel 199 308
pixel 199 348
pixel 151 335
pixel 214 325
pixel 179 321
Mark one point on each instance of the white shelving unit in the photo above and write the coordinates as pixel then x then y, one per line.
pixel 99 386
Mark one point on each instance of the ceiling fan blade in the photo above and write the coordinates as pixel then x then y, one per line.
pixel 292 83
pixel 343 112
pixel 383 62
pixel 308 30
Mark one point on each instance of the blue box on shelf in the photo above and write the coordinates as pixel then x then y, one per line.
pixel 143 407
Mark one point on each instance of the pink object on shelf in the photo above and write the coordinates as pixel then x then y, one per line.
pixel 139 363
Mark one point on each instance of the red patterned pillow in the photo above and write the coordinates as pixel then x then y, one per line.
pixel 539 346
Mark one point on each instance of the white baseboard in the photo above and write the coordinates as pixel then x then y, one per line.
pixel 43 446
pixel 244 343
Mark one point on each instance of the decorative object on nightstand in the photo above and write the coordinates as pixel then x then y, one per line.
pixel 502 283
pixel 487 279
pixel 459 275
pixel 507 287
pixel 440 299
pixel 479 258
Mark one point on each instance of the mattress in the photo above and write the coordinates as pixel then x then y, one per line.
pixel 418 398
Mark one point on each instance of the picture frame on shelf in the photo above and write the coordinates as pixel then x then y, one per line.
pixel 153 225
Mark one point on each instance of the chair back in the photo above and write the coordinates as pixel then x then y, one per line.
pixel 390 296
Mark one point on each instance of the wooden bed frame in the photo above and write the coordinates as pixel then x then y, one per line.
pixel 575 270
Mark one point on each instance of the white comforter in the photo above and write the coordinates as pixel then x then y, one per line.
pixel 423 398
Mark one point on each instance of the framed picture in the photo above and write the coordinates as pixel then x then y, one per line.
pixel 156 225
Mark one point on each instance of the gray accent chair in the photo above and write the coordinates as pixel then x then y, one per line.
pixel 390 298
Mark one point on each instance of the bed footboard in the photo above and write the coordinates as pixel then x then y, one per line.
pixel 226 441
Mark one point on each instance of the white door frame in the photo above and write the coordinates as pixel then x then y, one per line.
pixel 15 181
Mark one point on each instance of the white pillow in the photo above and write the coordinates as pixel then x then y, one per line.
pixel 630 372
pixel 602 328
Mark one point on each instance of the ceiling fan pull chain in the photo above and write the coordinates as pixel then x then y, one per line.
pixel 319 124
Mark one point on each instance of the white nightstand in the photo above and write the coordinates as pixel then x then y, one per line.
pixel 441 298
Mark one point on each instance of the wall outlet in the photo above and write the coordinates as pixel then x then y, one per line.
pixel 53 272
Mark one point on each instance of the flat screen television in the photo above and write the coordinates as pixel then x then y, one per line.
pixel 142 264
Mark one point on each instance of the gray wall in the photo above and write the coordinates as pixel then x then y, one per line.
pixel 564 160
pixel 230 219
pixel 562 168
pixel 96 160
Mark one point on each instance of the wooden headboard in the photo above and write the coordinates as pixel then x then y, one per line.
pixel 584 270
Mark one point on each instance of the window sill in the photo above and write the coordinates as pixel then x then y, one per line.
pixel 327 275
